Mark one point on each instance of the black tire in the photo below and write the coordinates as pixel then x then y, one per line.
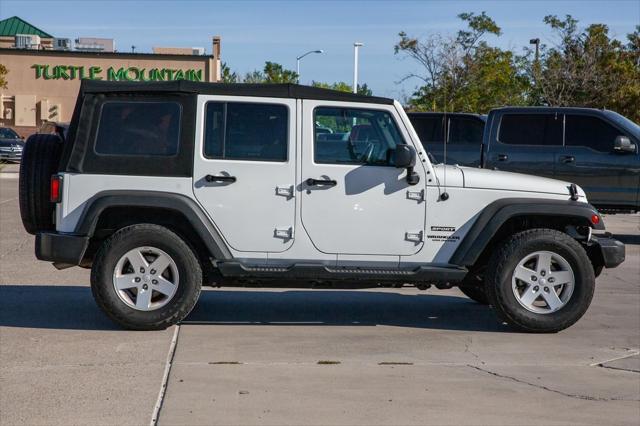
pixel 40 160
pixel 146 235
pixel 474 292
pixel 501 268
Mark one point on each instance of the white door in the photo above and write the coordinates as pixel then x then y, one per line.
pixel 354 201
pixel 244 170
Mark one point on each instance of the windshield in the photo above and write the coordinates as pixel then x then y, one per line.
pixel 625 123
pixel 6 133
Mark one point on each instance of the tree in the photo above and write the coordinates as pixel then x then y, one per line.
pixel 341 86
pixel 276 73
pixel 588 68
pixel 464 73
pixel 227 76
pixel 3 76
pixel 271 73
pixel 255 76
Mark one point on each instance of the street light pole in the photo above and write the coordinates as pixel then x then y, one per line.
pixel 356 45
pixel 302 56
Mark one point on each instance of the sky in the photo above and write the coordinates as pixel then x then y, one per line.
pixel 257 31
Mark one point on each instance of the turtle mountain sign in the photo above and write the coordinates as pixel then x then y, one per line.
pixel 74 72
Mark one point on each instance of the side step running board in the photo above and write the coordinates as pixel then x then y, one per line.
pixel 426 273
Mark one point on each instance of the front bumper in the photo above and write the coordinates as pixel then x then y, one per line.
pixel 611 250
pixel 62 249
pixel 10 155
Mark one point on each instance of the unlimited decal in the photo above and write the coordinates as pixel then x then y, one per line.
pixel 73 72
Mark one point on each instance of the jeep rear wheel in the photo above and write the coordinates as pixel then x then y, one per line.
pixel 145 277
pixel 540 280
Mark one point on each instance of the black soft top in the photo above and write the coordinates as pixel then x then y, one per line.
pixel 293 91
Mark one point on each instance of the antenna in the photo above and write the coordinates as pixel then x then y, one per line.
pixel 445 196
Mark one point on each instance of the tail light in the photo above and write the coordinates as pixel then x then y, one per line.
pixel 55 195
pixel 595 219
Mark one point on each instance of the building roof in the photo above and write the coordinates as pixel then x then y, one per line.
pixel 14 25
pixel 294 91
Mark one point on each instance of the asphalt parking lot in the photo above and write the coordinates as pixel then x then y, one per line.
pixel 309 357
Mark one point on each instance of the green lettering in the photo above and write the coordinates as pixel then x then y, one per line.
pixel 169 73
pixel 136 74
pixel 194 75
pixel 38 69
pixel 61 72
pixel 93 73
pixel 46 74
pixel 119 75
pixel 179 75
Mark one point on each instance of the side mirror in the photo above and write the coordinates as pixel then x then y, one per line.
pixel 623 144
pixel 404 156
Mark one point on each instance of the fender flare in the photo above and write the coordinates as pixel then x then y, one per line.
pixel 494 215
pixel 182 204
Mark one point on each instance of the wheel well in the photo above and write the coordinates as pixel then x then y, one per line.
pixel 115 218
pixel 576 227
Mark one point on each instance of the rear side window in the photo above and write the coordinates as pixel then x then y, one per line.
pixel 139 128
pixel 246 131
pixel 465 131
pixel 590 132
pixel 531 129
pixel 429 129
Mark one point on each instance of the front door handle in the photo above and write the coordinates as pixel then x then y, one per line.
pixel 321 182
pixel 215 178
pixel 503 157
pixel 568 159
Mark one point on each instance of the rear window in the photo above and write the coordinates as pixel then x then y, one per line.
pixel 465 131
pixel 531 129
pixel 139 128
pixel 429 129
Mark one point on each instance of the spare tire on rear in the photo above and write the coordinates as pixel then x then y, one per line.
pixel 40 160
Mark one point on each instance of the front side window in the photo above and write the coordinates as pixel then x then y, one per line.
pixel 354 136
pixel 531 129
pixel 139 128
pixel 246 131
pixel 590 132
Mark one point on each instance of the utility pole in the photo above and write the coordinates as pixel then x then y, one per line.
pixel 356 45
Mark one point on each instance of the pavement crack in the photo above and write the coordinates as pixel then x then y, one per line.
pixel 548 389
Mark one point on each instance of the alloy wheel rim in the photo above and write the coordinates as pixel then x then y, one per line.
pixel 543 282
pixel 146 278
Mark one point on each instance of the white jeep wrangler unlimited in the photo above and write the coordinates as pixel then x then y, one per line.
pixel 161 187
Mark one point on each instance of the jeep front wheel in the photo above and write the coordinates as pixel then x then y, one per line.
pixel 540 280
pixel 145 277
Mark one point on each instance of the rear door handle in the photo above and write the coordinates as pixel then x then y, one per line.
pixel 321 182
pixel 568 159
pixel 503 157
pixel 216 178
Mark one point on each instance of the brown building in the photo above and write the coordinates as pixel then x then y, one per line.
pixel 42 83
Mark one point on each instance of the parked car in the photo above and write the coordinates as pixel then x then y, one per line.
pixel 596 149
pixel 11 145
pixel 160 187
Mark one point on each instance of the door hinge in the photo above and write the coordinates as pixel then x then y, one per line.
pixel 413 236
pixel 284 233
pixel 416 195
pixel 285 191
